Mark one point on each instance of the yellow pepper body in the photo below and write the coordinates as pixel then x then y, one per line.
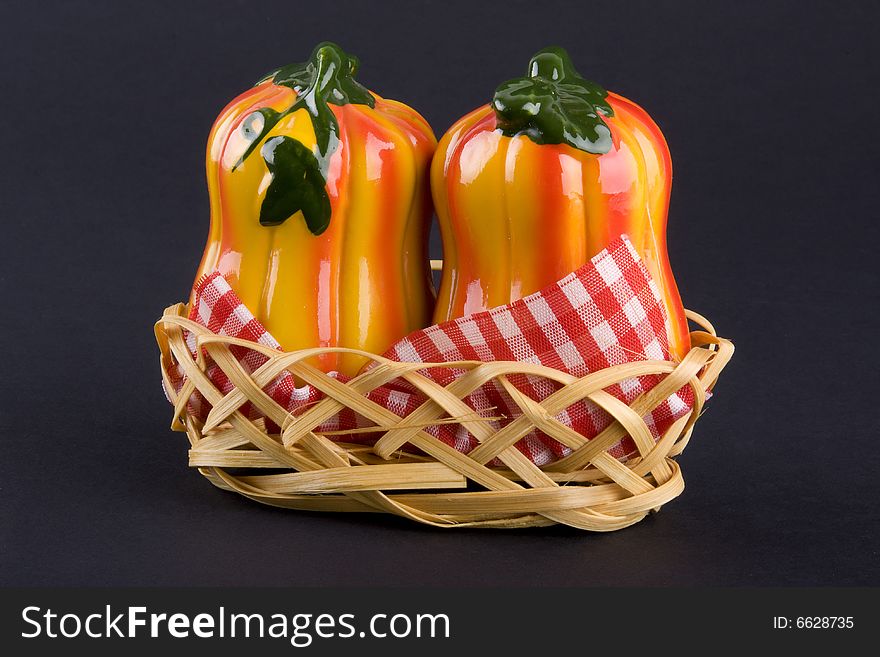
pixel 363 281
pixel 517 215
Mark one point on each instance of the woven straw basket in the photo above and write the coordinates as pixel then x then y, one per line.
pixel 588 489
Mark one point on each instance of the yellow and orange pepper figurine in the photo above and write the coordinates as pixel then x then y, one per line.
pixel 529 187
pixel 320 209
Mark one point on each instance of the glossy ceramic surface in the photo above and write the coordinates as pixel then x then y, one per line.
pixel 530 187
pixel 320 209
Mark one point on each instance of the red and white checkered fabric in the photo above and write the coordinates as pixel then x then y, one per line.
pixel 606 313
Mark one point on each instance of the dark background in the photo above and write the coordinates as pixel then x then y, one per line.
pixel 770 109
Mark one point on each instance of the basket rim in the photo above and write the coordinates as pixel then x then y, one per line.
pixel 177 314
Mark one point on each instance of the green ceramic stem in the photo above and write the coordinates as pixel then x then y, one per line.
pixel 553 104
pixel 299 175
pixel 327 78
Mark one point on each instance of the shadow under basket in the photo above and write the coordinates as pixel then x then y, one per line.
pixel 589 489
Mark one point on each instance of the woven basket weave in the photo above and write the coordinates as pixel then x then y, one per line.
pixel 588 489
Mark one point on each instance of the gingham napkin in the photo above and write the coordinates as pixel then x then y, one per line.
pixel 606 313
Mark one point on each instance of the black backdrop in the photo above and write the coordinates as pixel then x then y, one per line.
pixel 770 112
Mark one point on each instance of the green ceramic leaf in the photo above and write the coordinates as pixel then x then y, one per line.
pixel 297 185
pixel 553 104
pixel 296 76
pixel 326 79
pixel 255 127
